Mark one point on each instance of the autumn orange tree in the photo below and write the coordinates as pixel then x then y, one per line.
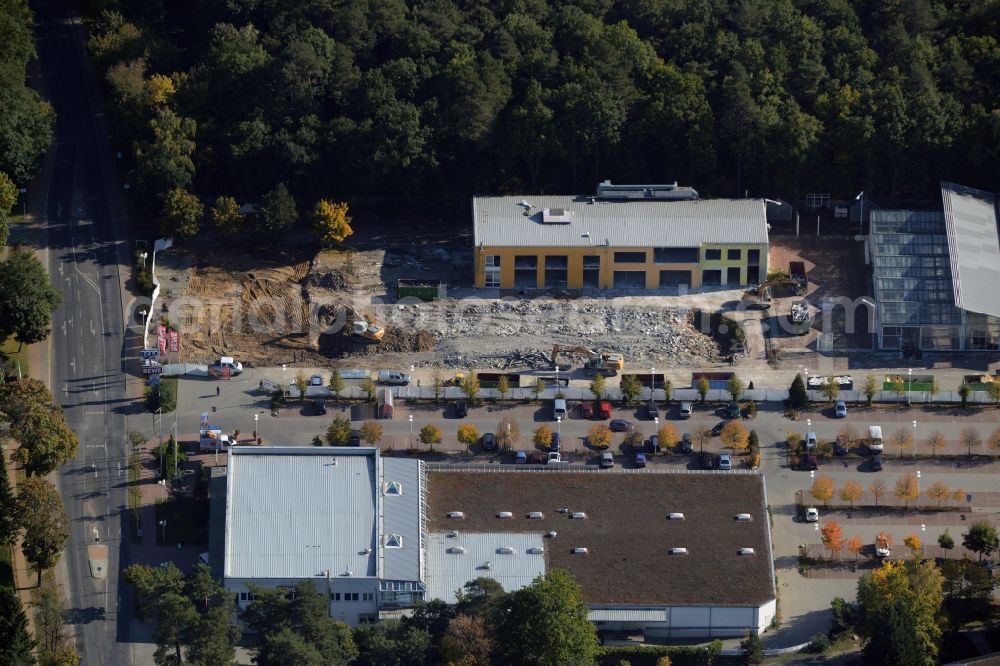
pixel 877 489
pixel 994 441
pixel 851 491
pixel 599 436
pixel 958 494
pixel 543 436
pixel 913 543
pixel 907 488
pixel 822 489
pixel 468 434
pixel 735 435
pixel 902 438
pixel 970 438
pixel 430 434
pixel 938 491
pixel 833 537
pixel 854 544
pixel 330 221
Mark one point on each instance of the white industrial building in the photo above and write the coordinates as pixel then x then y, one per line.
pixel 672 556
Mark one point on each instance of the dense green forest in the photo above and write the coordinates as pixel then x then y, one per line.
pixel 25 119
pixel 446 98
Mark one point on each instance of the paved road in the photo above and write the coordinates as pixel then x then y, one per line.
pixel 85 370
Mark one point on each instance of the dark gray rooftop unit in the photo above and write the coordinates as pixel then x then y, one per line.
pixel 666 192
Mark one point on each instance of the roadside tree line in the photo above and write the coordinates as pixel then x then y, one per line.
pixel 907 489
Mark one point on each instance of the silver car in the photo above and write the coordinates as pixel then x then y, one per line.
pixel 685 410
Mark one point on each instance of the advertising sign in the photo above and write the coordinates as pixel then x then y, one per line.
pixel 161 338
pixel 152 369
pixel 175 340
pixel 150 354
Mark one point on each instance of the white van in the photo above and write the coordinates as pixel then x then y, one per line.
pixel 810 441
pixel 393 378
pixel 875 444
pixel 559 408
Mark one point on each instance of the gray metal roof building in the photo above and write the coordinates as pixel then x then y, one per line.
pixel 501 221
pixel 513 560
pixel 935 274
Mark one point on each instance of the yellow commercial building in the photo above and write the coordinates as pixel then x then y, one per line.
pixel 634 237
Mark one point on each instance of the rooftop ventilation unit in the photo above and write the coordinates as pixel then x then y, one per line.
pixel 663 192
pixel 563 510
pixel 453 534
pixel 675 516
pixel 744 551
pixel 578 515
pixel 505 550
pixel 487 566
pixel 456 515
pixel 581 551
pixel 535 551
pixel 552 534
pixel 557 216
pixel 535 515
pixel 743 517
pixel 366 551
pixel 456 550
pixel 504 515
pixel 678 551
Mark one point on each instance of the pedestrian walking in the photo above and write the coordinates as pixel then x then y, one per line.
pixel 218 391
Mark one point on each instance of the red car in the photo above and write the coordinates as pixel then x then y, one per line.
pixel 603 409
pixel 586 410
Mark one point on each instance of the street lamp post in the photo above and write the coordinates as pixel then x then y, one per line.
pixel 558 428
pixel 808 397
pixel 163 531
pixel 914 438
pixel 909 384
pixel 256 416
pixel 652 384
pixel 861 222
pixel 507 443
pixel 411 431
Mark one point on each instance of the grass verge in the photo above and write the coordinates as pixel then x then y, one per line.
pixel 16 356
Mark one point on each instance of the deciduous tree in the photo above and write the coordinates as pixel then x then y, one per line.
pixel 301 384
pixel 734 434
pixel 854 544
pixel 336 384
pixel 833 537
pixel 597 387
pixel 508 433
pixel 668 435
pixel 994 441
pixel 165 158
pixel 630 388
pixel 55 645
pixel 981 539
pixel 946 541
pixel 226 216
pixel 963 392
pixel 543 436
pixel 546 624
pixel 914 543
pixel 27 297
pixel 970 437
pixel 831 389
pixel 822 489
pixel 848 436
pixel 877 489
pixel 331 222
pixel 44 521
pixel 503 387
pixel 470 385
pixel 850 491
pixel 430 434
pixel 870 388
pixel 735 386
pixel 9 519
pixel 907 488
pixel 901 438
pixel 468 434
pixel 467 641
pixel 938 491
pixel 339 431
pixel 371 432
pixel 599 436
pixel 276 213
pixel 702 387
pixel 936 442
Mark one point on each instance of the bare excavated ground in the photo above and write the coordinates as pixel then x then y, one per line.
pixel 293 305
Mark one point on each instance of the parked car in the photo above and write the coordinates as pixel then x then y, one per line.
pixel 393 378
pixel 554 442
pixel 653 444
pixel 812 514
pixel 808 463
pixel 685 410
pixel 316 380
pixel 839 449
pixel 725 461
pixel 603 410
pixel 461 409
pixel 811 441
pixel 225 365
pixel 640 460
pixel 733 410
pixel 707 460
pixel 521 457
pixel 876 463
pixel 620 425
pixel 586 410
pixel 559 408
pixel 652 410
pixel 686 445
pixel 717 428
pixel 319 409
pixel 607 460
pixel 554 457
pixel 488 441
pixel 840 410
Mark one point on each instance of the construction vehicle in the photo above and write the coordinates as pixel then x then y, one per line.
pixel 799 318
pixel 368 330
pixel 608 364
pixel 760 295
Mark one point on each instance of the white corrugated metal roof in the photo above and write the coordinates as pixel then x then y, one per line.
pixel 449 572
pixel 973 246
pixel 627 615
pixel 500 221
pixel 401 515
pixel 296 512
